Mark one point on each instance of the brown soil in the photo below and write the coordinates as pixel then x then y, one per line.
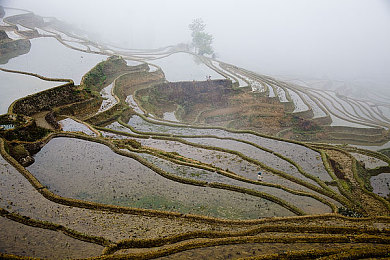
pixel 41 121
pixel 217 103
pixel 371 206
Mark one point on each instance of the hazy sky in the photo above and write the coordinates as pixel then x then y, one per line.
pixel 339 39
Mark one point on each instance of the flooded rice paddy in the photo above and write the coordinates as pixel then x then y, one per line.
pixel 89 171
pixel 14 86
pixel 17 195
pixel 300 106
pixel 13 35
pixel 185 67
pixel 369 162
pixel 93 172
pixel 19 239
pixel 218 159
pixel 381 184
pixel 108 99
pixel 70 125
pixel 62 62
pixel 307 158
pixel 309 205
pixel 13 11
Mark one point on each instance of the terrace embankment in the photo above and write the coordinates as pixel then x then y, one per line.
pixel 18 130
pixel 71 99
pixel 111 71
pixel 219 103
pixel 48 100
pixel 12 48
pixel 215 102
pixel 41 108
pixel 129 83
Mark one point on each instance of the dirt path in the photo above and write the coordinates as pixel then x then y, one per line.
pixel 41 121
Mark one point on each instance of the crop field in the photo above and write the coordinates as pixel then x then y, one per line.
pixel 144 157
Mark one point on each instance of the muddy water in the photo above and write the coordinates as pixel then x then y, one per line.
pixel 108 99
pixel 220 159
pixel 252 152
pixel 369 162
pixel 17 195
pixel 170 116
pixel 70 125
pixel 216 158
pixel 93 172
pixel 130 100
pixel 141 125
pixel 23 240
pixel 308 205
pixel 309 160
pixel 381 184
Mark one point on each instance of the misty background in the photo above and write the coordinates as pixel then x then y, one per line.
pixel 346 40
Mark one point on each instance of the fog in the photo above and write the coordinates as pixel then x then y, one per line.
pixel 345 40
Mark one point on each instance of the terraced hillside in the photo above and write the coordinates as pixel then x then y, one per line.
pixel 128 165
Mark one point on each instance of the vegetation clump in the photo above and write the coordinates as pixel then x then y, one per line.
pixel 22 128
pixel 133 143
pixel 20 153
pixel 349 213
pixel 30 133
pixel 305 125
pixel 96 78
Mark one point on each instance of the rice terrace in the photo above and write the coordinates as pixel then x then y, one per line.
pixel 171 153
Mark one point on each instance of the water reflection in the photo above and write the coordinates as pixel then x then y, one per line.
pixel 50 58
pixel 182 67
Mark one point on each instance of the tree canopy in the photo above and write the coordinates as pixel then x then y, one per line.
pixel 201 40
